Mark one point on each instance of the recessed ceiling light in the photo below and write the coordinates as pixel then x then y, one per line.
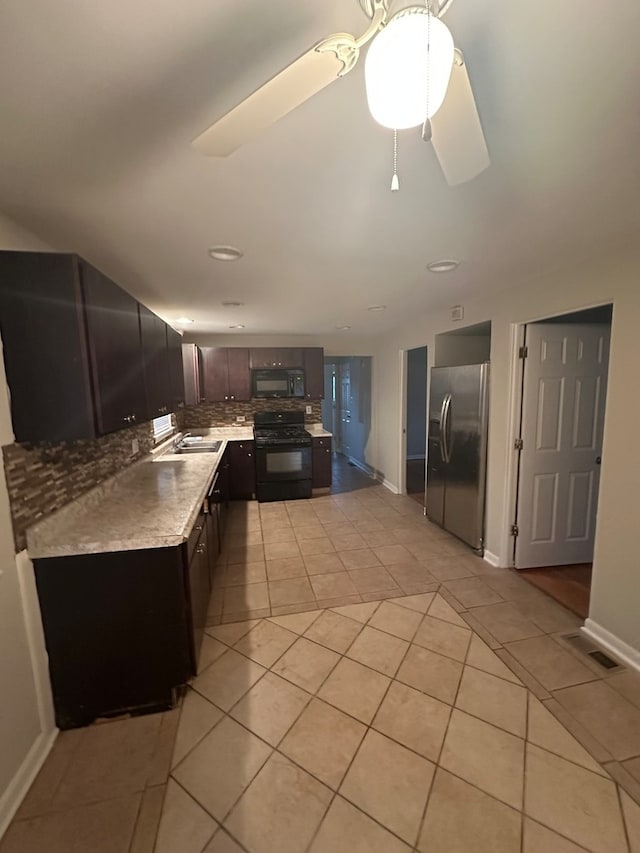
pixel 377 308
pixel 184 321
pixel 237 326
pixel 343 328
pixel 230 304
pixel 445 265
pixel 225 253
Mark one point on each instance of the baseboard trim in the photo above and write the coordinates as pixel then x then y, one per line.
pixel 623 651
pixel 391 487
pixel 17 789
pixel 492 559
pixel 362 466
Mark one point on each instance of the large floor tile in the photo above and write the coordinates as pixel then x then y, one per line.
pixel 552 665
pixel 185 825
pixel 323 564
pixel 631 812
pixel 412 577
pixel 485 756
pixel 281 809
pixel 396 620
pixel 228 679
pixel 413 719
pixel 378 650
pixel 222 843
pixel 285 567
pixel 545 731
pixel 265 643
pixel 574 802
pixel 390 783
pixel 362 558
pixel 607 715
pixel 540 839
pixel 373 579
pixel 441 609
pixel 279 550
pixel 218 770
pixel 498 702
pixel 332 585
pixel 443 638
pixel 104 827
pixel 390 554
pixel 460 819
pixel 505 622
pixel 323 741
pixel 244 573
pixel 230 634
pixel 296 622
pixel 243 599
pixel 313 547
pixel 43 789
pixel 197 717
pixel 112 759
pixel 419 602
pixel 481 657
pixel 360 612
pixel 346 829
pixel 472 592
pixel 290 591
pixel 334 631
pixel 431 673
pixel 355 689
pixel 306 664
pixel 271 707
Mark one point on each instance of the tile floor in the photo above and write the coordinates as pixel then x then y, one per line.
pixel 407 698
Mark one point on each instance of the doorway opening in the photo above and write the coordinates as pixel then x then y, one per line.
pixel 565 362
pixel 416 423
pixel 346 408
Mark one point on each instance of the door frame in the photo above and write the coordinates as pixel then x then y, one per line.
pixel 514 406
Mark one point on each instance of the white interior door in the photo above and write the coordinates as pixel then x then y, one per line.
pixel 564 393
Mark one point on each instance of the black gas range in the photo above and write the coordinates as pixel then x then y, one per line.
pixel 283 456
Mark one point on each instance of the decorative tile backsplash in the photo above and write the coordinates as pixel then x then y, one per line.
pixel 42 478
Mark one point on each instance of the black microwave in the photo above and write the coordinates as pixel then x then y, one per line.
pixel 277 382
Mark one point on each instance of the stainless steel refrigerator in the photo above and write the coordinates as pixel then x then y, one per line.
pixel 457 450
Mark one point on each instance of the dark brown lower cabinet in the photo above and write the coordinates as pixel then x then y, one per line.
pixel 321 472
pixel 242 470
pixel 123 629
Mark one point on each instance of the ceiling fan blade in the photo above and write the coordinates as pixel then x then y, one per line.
pixel 457 135
pixel 297 83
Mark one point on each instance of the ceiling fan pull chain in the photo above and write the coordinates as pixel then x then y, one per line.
pixel 395 183
pixel 426 127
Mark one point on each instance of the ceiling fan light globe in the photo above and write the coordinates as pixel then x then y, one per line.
pixel 398 66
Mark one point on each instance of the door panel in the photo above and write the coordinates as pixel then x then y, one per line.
pixel 564 394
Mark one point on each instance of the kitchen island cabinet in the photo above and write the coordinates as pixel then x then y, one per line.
pixel 123 629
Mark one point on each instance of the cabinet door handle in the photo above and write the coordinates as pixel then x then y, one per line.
pixel 249 454
pixel 133 417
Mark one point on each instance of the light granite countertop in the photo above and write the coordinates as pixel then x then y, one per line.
pixel 152 504
pixel 318 431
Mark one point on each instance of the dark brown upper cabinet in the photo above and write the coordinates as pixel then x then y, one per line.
pixel 192 374
pixel 225 372
pixel 73 349
pixel 176 374
pixel 276 357
pixel 314 373
pixel 155 353
pixel 115 351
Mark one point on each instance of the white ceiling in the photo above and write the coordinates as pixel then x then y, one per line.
pixel 99 102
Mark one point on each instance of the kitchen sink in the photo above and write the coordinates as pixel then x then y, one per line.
pixel 197 447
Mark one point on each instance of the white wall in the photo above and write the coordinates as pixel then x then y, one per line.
pixel 615 599
pixel 27 728
pixel 454 350
pixel 344 344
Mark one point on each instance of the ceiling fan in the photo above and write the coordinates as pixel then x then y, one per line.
pixel 443 101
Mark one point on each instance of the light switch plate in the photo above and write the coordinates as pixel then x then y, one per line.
pixel 309 410
pixel 135 447
pixel 240 419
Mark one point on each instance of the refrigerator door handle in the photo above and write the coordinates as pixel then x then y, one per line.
pixel 443 409
pixel 444 427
